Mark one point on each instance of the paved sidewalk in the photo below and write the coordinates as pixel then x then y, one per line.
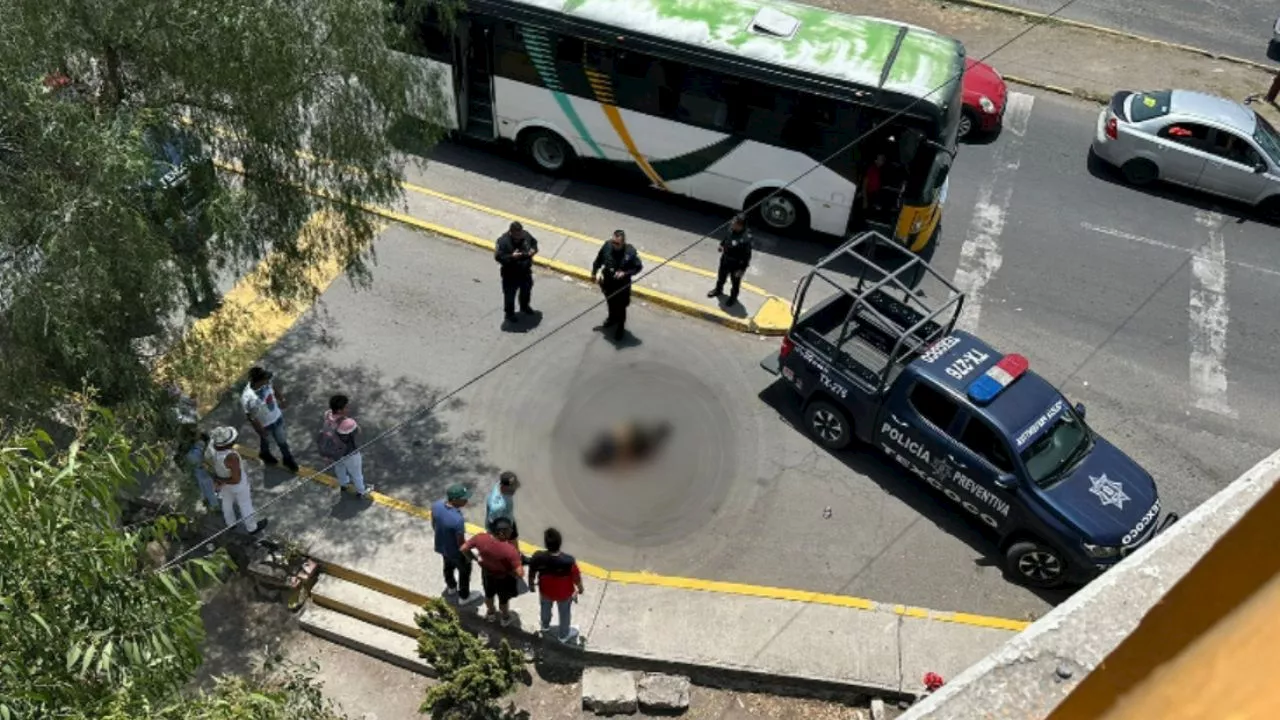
pixel 1086 62
pixel 785 636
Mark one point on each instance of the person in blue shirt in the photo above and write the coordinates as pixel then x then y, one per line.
pixel 190 458
pixel 450 533
pixel 501 503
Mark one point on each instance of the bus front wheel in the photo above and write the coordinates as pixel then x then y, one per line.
pixel 546 151
pixel 781 212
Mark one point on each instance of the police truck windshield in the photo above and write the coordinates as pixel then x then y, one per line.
pixel 1057 450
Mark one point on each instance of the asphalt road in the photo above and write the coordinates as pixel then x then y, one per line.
pixel 1239 27
pixel 1121 296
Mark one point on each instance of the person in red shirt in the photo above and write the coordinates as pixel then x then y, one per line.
pixel 558 580
pixel 500 568
pixel 873 183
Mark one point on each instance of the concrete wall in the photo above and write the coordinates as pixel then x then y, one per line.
pixel 1038 668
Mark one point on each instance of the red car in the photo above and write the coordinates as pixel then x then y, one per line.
pixel 984 97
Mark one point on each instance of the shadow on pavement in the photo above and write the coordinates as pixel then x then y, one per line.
pixel 599 186
pixel 415 461
pixel 865 461
pixel 523 323
pixel 1238 212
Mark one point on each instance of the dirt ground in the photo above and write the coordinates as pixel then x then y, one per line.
pixel 243 630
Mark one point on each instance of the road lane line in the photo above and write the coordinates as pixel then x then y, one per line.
pixel 1209 315
pixel 1170 246
pixel 980 255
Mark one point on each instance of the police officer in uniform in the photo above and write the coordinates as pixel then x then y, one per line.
pixel 616 264
pixel 514 252
pixel 735 257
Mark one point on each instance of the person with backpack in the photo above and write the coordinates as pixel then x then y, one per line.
pixel 337 444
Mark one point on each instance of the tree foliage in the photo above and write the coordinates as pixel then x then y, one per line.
pixel 473 677
pixel 83 618
pixel 93 96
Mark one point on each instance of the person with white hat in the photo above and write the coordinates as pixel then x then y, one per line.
pixel 230 479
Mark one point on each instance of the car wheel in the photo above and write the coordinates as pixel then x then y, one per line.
pixel 828 425
pixel 1036 564
pixel 1269 208
pixel 968 124
pixel 782 213
pixel 546 151
pixel 1140 172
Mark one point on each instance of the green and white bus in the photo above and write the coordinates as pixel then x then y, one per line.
pixel 720 100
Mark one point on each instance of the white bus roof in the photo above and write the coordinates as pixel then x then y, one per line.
pixel 848 48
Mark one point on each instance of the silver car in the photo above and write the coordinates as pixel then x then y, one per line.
pixel 1192 139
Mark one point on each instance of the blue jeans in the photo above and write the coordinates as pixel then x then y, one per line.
pixel 274 431
pixel 566 613
pixel 205 481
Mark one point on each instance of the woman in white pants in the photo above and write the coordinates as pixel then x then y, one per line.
pixel 230 480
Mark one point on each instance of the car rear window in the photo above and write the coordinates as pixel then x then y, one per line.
pixel 1144 106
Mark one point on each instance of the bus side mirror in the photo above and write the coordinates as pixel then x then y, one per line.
pixel 1080 410
pixel 1260 168
pixel 1005 481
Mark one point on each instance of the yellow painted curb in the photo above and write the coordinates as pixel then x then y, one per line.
pixel 646 578
pixel 1043 17
pixel 770 310
pixel 567 233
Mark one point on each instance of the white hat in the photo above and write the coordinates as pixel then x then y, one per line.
pixel 223 436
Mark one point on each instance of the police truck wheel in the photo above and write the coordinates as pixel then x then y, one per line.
pixel 546 151
pixel 828 425
pixel 1035 564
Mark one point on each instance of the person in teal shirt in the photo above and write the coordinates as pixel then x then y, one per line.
pixel 501 503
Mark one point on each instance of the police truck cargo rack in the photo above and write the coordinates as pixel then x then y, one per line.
pixel 977 425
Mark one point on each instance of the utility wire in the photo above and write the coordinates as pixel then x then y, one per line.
pixel 300 480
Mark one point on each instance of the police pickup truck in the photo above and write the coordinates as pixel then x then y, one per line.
pixel 975 424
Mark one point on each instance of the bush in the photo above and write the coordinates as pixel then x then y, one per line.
pixel 473 678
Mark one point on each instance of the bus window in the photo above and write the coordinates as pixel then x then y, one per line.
pixel 702 100
pixel 424 33
pixel 636 77
pixel 510 59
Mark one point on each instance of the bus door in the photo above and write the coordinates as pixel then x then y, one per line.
pixel 473 77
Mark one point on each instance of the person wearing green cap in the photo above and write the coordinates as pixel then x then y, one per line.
pixel 450 533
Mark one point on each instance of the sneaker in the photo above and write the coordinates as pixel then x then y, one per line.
pixel 262 525
pixel 450 594
pixel 367 494
pixel 292 465
pixel 713 293
pixel 490 615
pixel 268 458
pixel 507 619
pixel 570 636
pixel 471 598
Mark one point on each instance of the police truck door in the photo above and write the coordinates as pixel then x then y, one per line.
pixel 913 428
pixel 983 474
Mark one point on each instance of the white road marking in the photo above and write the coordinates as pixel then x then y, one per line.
pixel 980 255
pixel 1169 246
pixel 1209 317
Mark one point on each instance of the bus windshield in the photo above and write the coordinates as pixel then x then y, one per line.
pixel 932 162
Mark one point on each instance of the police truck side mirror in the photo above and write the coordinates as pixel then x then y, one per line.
pixel 1080 410
pixel 1005 481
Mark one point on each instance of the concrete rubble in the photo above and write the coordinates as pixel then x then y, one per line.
pixel 609 692
pixel 663 693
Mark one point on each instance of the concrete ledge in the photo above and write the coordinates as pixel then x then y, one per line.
pixel 362 637
pixel 1032 673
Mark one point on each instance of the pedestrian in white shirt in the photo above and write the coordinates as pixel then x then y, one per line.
pixel 263 405
pixel 337 444
pixel 230 480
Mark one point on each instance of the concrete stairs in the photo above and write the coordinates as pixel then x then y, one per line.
pixel 367 615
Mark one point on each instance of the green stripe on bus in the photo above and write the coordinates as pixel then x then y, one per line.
pixel 537 45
